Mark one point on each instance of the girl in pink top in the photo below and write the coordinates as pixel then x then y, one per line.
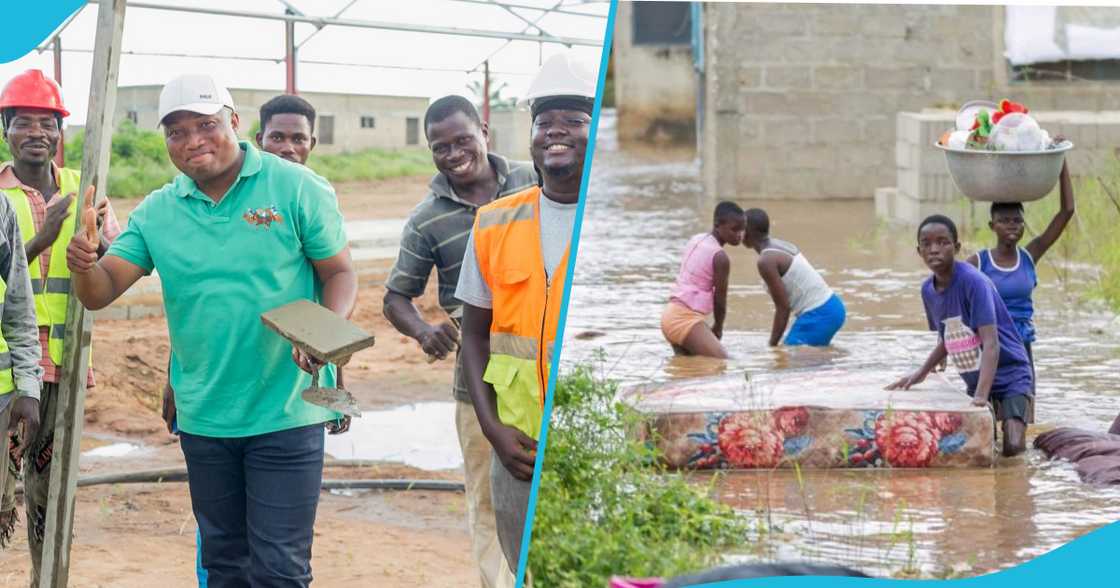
pixel 701 287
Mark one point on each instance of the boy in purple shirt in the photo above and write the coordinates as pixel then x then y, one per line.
pixel 976 332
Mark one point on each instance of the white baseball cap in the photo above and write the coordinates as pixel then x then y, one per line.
pixel 194 92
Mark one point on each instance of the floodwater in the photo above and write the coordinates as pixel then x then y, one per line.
pixel 420 435
pixel 374 239
pixel 112 450
pixel 642 207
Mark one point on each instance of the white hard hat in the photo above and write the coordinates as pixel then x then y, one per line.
pixel 561 75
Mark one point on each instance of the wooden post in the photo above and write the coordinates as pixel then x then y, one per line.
pixel 486 91
pixel 290 85
pixel 56 52
pixel 70 407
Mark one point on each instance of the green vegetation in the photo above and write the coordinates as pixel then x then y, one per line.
pixel 372 164
pixel 605 507
pixel 140 163
pixel 1091 237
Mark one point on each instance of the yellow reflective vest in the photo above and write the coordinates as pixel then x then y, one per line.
pixel 52 293
pixel 526 306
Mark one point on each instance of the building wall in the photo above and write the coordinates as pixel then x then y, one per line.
pixel 802 99
pixel 390 116
pixel 923 185
pixel 655 86
pixel 509 133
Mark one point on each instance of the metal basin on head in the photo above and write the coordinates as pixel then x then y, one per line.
pixel 1005 176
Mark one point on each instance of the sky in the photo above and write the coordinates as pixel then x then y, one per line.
pixel 161 31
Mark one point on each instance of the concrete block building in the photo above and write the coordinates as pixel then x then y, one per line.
pixel 346 122
pixel 803 101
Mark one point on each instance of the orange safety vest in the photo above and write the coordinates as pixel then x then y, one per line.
pixel 526 306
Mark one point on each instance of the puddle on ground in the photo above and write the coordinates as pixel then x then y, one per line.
pixel 112 450
pixel 420 435
pixel 641 209
pixel 374 239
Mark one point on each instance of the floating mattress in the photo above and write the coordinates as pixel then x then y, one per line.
pixel 821 418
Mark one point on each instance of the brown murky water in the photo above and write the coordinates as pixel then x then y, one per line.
pixel 643 205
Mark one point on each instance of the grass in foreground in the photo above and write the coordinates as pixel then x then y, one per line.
pixel 140 163
pixel 605 507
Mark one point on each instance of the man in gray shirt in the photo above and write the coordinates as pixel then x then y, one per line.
pixel 21 360
pixel 436 235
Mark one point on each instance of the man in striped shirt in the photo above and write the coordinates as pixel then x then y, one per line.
pixel 436 234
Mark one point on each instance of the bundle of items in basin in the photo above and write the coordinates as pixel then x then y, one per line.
pixel 999 153
pixel 1008 126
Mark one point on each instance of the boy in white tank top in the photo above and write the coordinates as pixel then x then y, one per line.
pixel 795 287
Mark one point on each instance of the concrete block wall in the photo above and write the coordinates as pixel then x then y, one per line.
pixel 802 99
pixel 655 87
pixel 923 185
pixel 509 133
pixel 391 115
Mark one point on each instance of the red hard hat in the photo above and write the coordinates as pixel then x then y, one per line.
pixel 31 89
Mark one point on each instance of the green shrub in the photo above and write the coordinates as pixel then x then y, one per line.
pixel 372 164
pixel 606 507
pixel 140 163
pixel 1091 236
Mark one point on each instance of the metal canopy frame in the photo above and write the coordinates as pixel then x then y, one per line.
pixel 531 32
pixel 322 21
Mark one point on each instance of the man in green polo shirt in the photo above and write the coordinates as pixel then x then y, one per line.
pixel 238 233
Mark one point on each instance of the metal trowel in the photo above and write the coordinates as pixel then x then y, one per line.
pixel 326 337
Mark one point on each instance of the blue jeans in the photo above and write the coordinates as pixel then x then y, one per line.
pixel 817 326
pixel 255 500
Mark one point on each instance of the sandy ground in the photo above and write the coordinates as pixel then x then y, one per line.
pixel 126 535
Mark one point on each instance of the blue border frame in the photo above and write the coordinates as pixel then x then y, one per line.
pixel 36 22
pixel 527 533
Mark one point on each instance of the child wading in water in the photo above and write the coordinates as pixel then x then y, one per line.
pixel 701 287
pixel 1012 268
pixel 794 286
pixel 976 332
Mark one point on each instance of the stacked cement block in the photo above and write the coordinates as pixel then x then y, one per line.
pixel 800 100
pixel 924 186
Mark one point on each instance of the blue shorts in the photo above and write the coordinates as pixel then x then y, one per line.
pixel 817 326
